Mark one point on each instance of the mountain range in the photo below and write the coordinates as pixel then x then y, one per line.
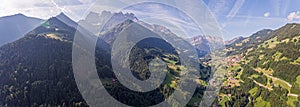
pixel 36 70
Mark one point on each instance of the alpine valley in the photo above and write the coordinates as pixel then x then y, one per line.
pixel 36 70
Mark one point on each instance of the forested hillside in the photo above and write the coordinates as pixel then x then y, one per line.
pixel 263 70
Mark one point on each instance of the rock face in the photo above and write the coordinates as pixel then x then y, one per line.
pixel 93 20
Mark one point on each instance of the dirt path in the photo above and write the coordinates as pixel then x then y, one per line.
pixel 261 85
pixel 293 95
pixel 274 78
pixel 277 79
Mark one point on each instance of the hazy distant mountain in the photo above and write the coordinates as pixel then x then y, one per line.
pixel 109 19
pixel 15 26
pixel 206 44
pixel 203 44
pixel 116 18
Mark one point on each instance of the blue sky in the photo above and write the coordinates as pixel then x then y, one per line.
pixel 236 17
pixel 172 18
pixel 245 17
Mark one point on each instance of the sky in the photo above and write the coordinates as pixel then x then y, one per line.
pixel 245 17
pixel 235 17
pixel 172 18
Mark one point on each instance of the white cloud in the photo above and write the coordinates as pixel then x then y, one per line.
pixel 227 8
pixel 294 16
pixel 177 22
pixel 238 4
pixel 267 14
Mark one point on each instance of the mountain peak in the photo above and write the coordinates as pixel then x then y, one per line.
pixel 261 33
pixel 19 14
pixel 53 24
pixel 67 20
pixel 53 19
pixel 15 15
pixel 292 24
pixel 128 21
pixel 105 13
pixel 234 40
pixel 265 30
pixel 62 14
pixel 117 18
